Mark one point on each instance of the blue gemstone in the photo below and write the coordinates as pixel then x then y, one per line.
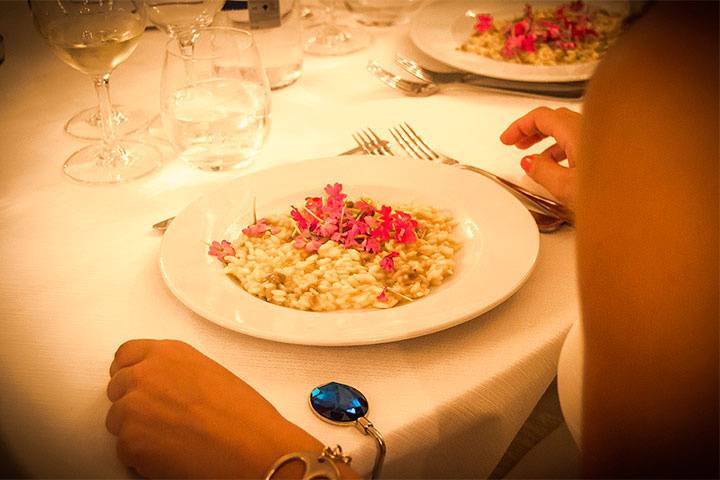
pixel 338 402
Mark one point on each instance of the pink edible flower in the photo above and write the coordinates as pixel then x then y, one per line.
pixel 484 22
pixel 372 245
pixel 364 207
pixel 335 191
pixel 387 263
pixel 258 229
pixel 382 296
pixel 327 229
pixel 511 44
pixel 314 205
pixel 299 219
pixel 552 31
pixel 221 250
pixel 521 27
pixel 336 199
pixel 313 245
pixel 371 222
pixel 528 43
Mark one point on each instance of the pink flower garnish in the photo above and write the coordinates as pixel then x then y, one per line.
pixel 528 43
pixel 484 22
pixel 372 245
pixel 302 223
pixel 327 229
pixel 357 225
pixel 313 245
pixel 258 229
pixel 511 45
pixel 382 296
pixel 364 207
pixel 521 27
pixel 220 250
pixel 387 263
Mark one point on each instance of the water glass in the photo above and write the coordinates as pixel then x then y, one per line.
pixel 215 99
pixel 382 13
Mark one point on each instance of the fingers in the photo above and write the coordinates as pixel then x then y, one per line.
pixel 120 383
pixel 130 353
pixel 558 180
pixel 556 153
pixel 540 123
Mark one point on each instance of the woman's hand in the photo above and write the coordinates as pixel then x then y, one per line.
pixel 177 413
pixel 564 126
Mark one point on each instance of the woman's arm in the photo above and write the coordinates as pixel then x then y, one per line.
pixel 647 230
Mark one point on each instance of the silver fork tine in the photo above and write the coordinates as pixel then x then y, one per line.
pixel 392 80
pixel 361 143
pixel 408 145
pixel 407 129
pixel 413 68
pixel 382 147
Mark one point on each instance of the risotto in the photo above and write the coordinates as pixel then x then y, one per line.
pixel 572 33
pixel 336 254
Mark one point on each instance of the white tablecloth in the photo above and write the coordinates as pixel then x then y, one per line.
pixel 79 273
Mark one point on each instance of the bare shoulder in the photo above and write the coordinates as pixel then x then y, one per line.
pixel 650 131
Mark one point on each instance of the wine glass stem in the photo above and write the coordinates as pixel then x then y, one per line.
pixel 109 138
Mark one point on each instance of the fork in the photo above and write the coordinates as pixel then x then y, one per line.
pixel 425 89
pixel 555 89
pixel 416 147
pixel 368 141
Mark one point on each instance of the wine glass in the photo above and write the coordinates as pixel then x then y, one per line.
pixel 331 38
pixel 87 124
pixel 215 99
pixel 182 19
pixel 94 37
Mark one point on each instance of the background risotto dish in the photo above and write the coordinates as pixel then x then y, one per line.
pixel 337 254
pixel 572 33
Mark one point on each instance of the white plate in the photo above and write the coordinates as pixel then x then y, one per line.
pixel 442 26
pixel 499 247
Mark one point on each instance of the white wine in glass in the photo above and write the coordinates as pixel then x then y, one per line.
pixel 87 124
pixel 94 37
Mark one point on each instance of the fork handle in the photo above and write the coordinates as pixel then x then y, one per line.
pixel 546 89
pixel 545 205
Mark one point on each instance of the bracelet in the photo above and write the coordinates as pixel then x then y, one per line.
pixel 317 466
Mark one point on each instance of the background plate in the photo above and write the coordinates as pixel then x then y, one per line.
pixel 442 26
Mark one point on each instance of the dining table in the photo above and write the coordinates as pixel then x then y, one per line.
pixel 80 270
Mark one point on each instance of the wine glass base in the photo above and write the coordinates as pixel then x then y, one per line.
pixel 131 160
pixel 86 123
pixel 340 40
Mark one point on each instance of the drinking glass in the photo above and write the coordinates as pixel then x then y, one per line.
pixel 215 100
pixel 382 13
pixel 87 124
pixel 94 37
pixel 331 38
pixel 182 19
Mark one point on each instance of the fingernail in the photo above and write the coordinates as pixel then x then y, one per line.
pixel 526 162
